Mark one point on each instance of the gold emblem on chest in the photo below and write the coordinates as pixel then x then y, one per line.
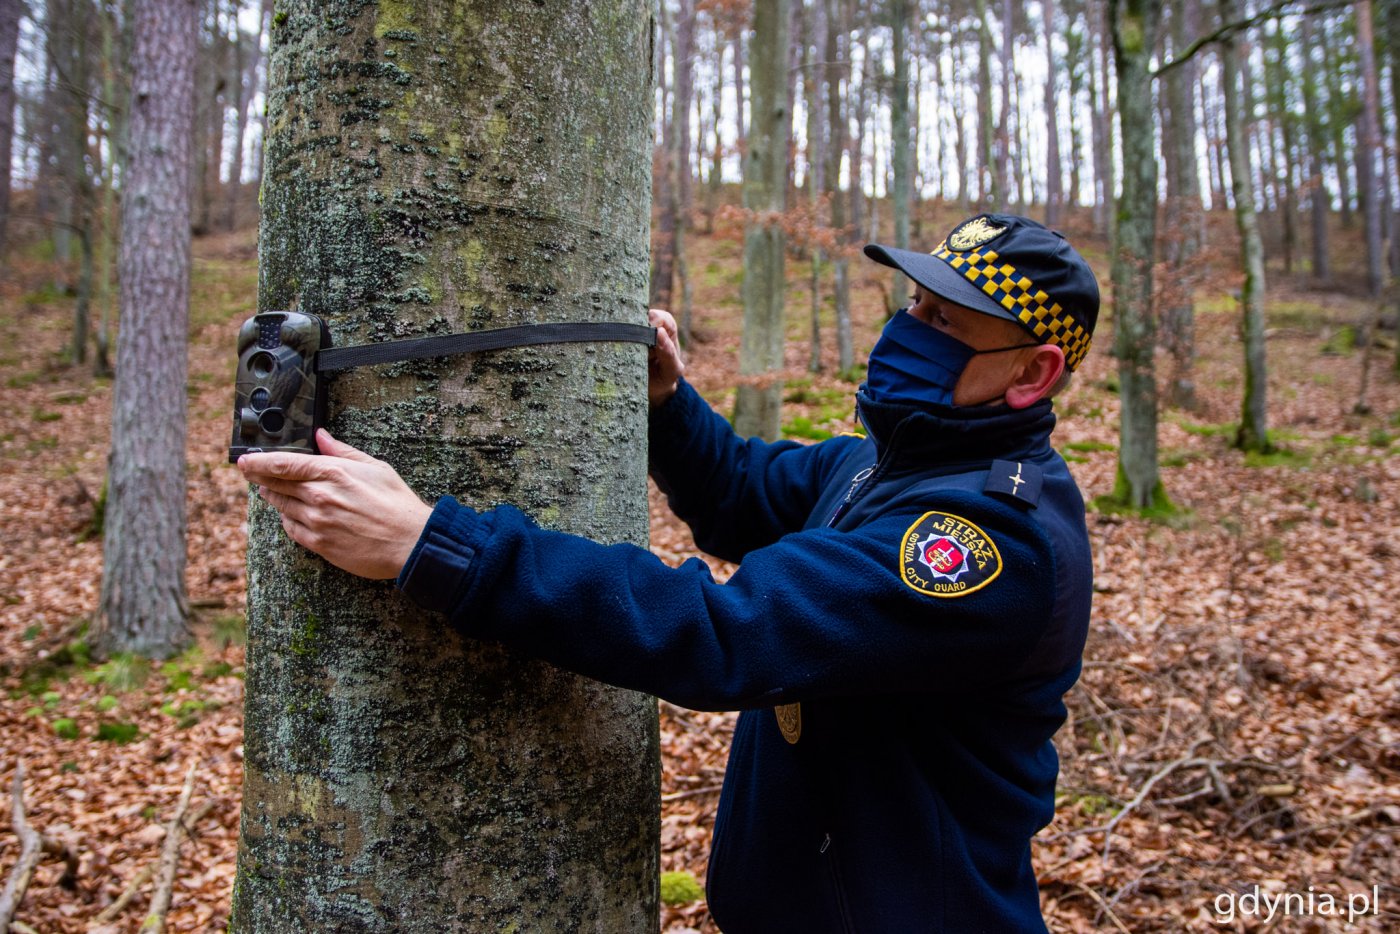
pixel 789 717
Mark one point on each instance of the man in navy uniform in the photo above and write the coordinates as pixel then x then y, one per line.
pixel 908 611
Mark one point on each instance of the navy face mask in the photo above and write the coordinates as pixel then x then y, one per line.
pixel 914 363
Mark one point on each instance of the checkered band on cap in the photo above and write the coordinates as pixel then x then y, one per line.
pixel 1020 296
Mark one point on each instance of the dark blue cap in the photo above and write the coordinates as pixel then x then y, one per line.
pixel 1010 267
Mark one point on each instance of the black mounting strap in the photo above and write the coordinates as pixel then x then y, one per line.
pixel 442 345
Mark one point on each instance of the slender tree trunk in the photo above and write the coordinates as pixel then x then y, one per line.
pixel 1369 139
pixel 1369 188
pixel 1103 123
pixel 663 175
pixel 10 13
pixel 143 605
pixel 813 46
pixel 1335 93
pixel 1133 25
pixel 1184 211
pixel 902 191
pixel 1075 63
pixel 741 132
pixel 679 161
pixel 1284 151
pixel 247 58
pixel 837 70
pixel 1319 205
pixel 1392 27
pixel 398 777
pixel 1253 434
pixel 987 191
pixel 759 399
pixel 1054 195
pixel 960 131
pixel 716 179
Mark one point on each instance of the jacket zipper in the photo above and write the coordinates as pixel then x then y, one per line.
pixel 837 885
pixel 860 482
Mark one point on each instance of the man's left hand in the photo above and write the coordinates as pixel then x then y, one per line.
pixel 351 509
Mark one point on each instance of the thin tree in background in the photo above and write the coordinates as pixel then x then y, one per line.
pixel 143 606
pixel 678 163
pixel 1133 26
pixel 902 191
pixel 1253 432
pixel 838 73
pixel 758 404
pixel 10 13
pixel 400 778
pixel 1369 188
pixel 1184 216
pixel 1319 200
pixel 813 46
pixel 1392 45
pixel 1054 191
pixel 987 191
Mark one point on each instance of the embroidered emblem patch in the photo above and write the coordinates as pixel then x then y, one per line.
pixel 973 233
pixel 944 555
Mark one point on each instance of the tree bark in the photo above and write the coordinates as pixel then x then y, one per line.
pixel 1368 140
pixel 987 191
pixel 679 162
pixel 1054 188
pixel 143 605
pixel 1133 24
pixel 436 168
pixel 10 13
pixel 1253 434
pixel 1319 201
pixel 813 46
pixel 759 398
pixel 1103 111
pixel 838 69
pixel 1184 215
pixel 903 188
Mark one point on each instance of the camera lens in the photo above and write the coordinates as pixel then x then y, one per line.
pixel 272 421
pixel 258 399
pixel 262 364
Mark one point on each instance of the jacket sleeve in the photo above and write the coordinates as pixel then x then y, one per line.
pixel 819 613
pixel 735 494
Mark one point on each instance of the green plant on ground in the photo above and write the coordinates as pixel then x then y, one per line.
pixel 680 888
pixel 117 732
pixel 122 672
pixel 65 728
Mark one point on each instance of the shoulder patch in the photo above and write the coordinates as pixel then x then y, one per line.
pixel 944 555
pixel 1015 479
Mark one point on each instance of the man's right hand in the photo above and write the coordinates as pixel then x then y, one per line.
pixel 664 364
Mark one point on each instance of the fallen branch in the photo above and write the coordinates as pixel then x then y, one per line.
pixel 169 860
pixel 33 846
pixel 109 914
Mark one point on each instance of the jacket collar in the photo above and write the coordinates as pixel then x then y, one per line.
pixel 951 435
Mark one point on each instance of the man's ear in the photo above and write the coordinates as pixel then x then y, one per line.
pixel 1038 375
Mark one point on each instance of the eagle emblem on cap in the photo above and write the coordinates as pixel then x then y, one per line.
pixel 973 233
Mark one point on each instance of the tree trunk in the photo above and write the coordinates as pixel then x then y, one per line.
pixel 759 398
pixel 143 605
pixel 679 161
pixel 838 21
pixel 1103 124
pixel 1184 211
pixel 1075 63
pixel 813 46
pixel 1318 199
pixel 1253 434
pixel 10 13
pixel 662 272
pixel 247 57
pixel 902 191
pixel 960 131
pixel 1054 196
pixel 398 777
pixel 987 191
pixel 1368 140
pixel 1133 25
pixel 1336 122
pixel 1392 28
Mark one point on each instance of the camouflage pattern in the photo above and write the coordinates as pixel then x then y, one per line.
pixel 279 398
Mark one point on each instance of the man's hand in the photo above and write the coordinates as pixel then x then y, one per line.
pixel 351 509
pixel 664 364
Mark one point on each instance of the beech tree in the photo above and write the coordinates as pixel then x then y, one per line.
pixel 438 168
pixel 759 399
pixel 143 605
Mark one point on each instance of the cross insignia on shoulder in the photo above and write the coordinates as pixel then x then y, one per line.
pixel 1015 479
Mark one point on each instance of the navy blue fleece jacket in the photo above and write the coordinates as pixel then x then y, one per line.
pixel 915 605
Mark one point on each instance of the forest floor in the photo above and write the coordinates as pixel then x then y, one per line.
pixel 1236 731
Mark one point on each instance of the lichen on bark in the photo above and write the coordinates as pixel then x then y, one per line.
pixel 433 168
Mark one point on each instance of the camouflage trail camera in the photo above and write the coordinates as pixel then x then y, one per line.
pixel 279 397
